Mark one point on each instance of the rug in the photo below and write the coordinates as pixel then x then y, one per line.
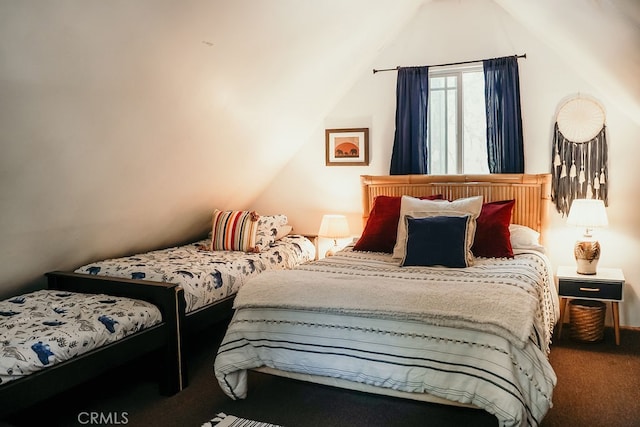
pixel 224 420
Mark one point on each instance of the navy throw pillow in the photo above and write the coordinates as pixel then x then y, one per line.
pixel 436 240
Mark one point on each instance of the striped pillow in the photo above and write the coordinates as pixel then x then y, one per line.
pixel 234 231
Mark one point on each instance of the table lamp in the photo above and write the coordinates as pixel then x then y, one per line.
pixel 587 213
pixel 334 227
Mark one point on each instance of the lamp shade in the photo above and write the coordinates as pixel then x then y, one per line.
pixel 587 213
pixel 334 227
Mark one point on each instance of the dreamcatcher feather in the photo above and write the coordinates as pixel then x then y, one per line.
pixel 579 166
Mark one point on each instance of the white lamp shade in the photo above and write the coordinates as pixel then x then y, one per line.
pixel 334 227
pixel 588 213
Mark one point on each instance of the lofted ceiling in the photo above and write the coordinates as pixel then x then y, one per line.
pixel 289 62
pixel 599 39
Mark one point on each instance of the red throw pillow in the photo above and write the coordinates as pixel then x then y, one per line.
pixel 493 239
pixel 379 233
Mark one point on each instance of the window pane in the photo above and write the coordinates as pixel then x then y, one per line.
pixel 452 127
pixel 437 131
pixel 443 146
pixel 452 81
pixel 436 82
pixel 475 125
pixel 457 128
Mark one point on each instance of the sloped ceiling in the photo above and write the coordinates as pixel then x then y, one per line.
pixel 124 123
pixel 282 65
pixel 124 82
pixel 318 50
pixel 599 38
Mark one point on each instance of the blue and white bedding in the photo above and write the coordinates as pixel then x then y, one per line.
pixel 478 335
pixel 206 276
pixel 46 327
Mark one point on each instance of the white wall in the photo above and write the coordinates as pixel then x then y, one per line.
pixel 125 123
pixel 445 32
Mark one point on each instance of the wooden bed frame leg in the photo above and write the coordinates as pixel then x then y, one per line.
pixel 563 309
pixel 174 377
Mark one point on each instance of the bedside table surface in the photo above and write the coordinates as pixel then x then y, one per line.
pixel 603 274
pixel 607 286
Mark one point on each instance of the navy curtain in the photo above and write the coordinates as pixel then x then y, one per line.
pixel 409 154
pixel 504 119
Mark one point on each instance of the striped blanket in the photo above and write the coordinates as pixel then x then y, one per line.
pixel 508 297
pixel 470 355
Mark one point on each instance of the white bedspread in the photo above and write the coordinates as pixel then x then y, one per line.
pixel 477 335
pixel 206 276
pixel 465 297
pixel 47 327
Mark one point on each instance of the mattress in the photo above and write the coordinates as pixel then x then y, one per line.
pixel 43 328
pixel 206 276
pixel 362 335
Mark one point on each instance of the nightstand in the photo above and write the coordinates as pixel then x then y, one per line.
pixel 607 285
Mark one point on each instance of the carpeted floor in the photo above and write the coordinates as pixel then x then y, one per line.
pixel 598 385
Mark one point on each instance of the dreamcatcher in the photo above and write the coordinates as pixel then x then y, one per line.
pixel 579 167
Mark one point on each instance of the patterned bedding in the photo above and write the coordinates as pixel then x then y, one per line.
pixel 426 351
pixel 46 327
pixel 206 276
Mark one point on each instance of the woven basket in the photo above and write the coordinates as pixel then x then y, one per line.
pixel 587 320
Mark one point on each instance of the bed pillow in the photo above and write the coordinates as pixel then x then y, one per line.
pixel 379 234
pixel 437 240
pixel 493 239
pixel 234 231
pixel 284 230
pixel 523 237
pixel 426 208
pixel 268 226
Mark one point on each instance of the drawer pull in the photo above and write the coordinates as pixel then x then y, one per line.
pixel 590 289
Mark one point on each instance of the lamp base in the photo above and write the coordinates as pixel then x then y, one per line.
pixel 587 253
pixel 333 249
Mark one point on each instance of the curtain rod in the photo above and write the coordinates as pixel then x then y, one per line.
pixel 524 55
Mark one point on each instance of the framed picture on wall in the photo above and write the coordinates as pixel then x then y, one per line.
pixel 347 147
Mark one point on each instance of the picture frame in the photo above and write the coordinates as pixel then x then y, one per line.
pixel 347 147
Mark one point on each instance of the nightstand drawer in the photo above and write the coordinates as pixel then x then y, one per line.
pixel 608 291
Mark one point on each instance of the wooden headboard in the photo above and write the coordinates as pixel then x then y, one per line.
pixel 532 192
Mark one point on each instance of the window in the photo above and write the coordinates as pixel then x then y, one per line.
pixel 457 121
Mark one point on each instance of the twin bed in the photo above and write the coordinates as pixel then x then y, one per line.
pixel 210 278
pixel 57 338
pixel 109 312
pixel 406 326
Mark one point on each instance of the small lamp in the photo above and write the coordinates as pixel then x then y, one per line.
pixel 334 227
pixel 587 213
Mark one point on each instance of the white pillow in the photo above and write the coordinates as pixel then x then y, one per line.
pixel 419 208
pixel 268 227
pixel 523 237
pixel 283 230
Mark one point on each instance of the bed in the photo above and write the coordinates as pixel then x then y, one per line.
pixel 59 337
pixel 191 286
pixel 475 335
pixel 211 271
